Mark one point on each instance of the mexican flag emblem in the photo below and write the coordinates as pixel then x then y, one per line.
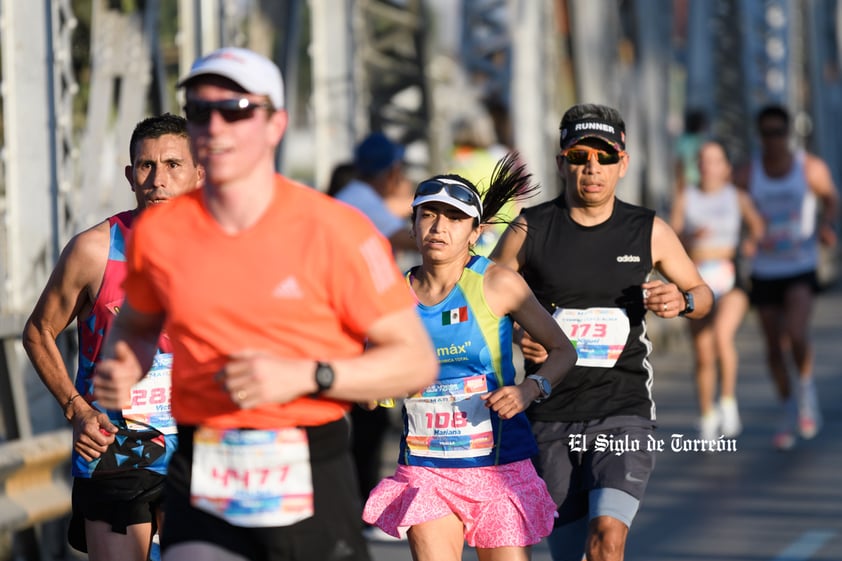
pixel 454 316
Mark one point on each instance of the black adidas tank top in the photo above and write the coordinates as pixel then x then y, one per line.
pixel 592 273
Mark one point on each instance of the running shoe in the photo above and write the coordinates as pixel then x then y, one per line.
pixel 730 417
pixel 709 425
pixel 809 414
pixel 784 438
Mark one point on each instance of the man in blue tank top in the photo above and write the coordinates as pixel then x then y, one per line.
pixel 786 186
pixel 119 457
pixel 588 257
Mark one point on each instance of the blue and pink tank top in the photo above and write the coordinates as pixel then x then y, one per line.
pixel 147 438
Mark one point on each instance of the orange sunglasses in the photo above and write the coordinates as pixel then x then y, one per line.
pixel 581 155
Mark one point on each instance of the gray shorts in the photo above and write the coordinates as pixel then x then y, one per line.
pixel 581 461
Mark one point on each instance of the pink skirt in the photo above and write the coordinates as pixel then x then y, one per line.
pixel 500 506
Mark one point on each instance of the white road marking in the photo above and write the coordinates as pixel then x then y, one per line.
pixel 804 547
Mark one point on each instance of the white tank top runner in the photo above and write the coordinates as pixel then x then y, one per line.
pixel 789 209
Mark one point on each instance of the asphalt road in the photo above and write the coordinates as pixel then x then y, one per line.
pixel 755 504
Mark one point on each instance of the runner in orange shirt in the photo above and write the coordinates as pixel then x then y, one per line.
pixel 282 306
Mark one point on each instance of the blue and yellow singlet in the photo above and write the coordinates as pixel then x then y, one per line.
pixel 447 425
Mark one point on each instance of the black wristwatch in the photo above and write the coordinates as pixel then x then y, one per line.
pixel 324 376
pixel 689 304
pixel 543 386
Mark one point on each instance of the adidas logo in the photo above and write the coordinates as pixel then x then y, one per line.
pixel 628 259
pixel 288 289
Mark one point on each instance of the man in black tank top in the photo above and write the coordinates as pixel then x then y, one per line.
pixel 588 257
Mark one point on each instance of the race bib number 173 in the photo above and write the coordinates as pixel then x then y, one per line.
pixel 599 334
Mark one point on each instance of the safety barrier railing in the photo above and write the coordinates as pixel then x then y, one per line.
pixel 35 485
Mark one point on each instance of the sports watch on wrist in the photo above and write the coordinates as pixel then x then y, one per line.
pixel 689 304
pixel 543 386
pixel 324 376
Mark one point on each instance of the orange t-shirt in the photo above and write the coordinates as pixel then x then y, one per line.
pixel 306 281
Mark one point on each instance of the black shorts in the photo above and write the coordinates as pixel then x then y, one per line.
pixel 121 499
pixel 333 532
pixel 571 464
pixel 771 292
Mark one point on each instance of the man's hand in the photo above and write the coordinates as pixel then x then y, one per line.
pixel 531 349
pixel 663 299
pixel 508 401
pixel 254 378
pixel 827 235
pixel 93 433
pixel 114 377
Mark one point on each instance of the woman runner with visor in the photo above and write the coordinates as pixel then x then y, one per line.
pixel 464 471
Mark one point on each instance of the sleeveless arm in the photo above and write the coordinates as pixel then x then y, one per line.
pixel 69 294
pixel 507 293
pixel 672 261
pixel 820 182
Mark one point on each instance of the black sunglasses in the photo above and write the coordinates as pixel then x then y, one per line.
pixel 199 111
pixel 459 192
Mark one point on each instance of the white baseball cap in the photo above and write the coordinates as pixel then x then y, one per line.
pixel 450 192
pixel 254 73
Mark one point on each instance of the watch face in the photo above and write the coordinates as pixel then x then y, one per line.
pixel 688 300
pixel 324 376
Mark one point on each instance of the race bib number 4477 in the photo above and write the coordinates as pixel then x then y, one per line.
pixel 252 478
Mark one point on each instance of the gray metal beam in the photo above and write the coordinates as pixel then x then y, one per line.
pixel 595 35
pixel 285 16
pixel 159 88
pixel 652 20
pixel 200 30
pixel 486 47
pixel 535 124
pixel 15 404
pixel 335 105
pixel 699 60
pixel 767 52
pixel 731 121
pixel 27 225
pixel 64 152
pixel 392 82
pixel 120 80
pixel 825 82
pixel 102 188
